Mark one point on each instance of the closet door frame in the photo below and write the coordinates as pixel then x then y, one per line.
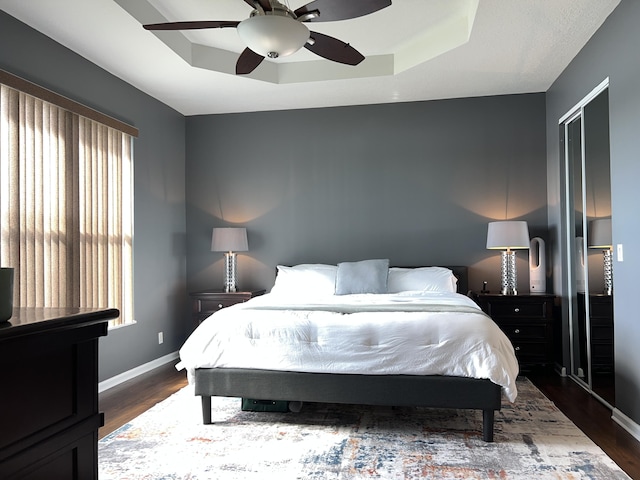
pixel 575 226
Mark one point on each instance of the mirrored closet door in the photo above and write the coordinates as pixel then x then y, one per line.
pixel 585 147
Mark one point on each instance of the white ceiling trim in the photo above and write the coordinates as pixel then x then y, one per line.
pixel 451 29
pixel 514 47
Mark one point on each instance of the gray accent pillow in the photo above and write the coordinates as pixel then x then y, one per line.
pixel 367 276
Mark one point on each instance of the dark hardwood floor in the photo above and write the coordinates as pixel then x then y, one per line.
pixel 128 400
pixel 593 418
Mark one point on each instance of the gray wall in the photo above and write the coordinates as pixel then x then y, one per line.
pixel 612 52
pixel 415 183
pixel 159 242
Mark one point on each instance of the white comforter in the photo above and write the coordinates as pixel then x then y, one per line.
pixel 413 334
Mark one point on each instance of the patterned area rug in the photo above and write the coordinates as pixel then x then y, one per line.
pixel 533 439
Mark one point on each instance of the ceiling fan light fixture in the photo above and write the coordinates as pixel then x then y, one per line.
pixel 273 36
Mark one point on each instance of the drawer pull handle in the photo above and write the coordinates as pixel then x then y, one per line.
pixel 517 310
pixel 219 305
pixel 517 330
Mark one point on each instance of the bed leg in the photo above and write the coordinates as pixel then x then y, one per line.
pixel 487 425
pixel 206 409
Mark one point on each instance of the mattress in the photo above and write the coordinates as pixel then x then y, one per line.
pixel 427 333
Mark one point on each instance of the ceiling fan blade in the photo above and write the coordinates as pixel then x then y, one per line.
pixel 196 25
pixel 334 10
pixel 248 61
pixel 333 49
pixel 266 6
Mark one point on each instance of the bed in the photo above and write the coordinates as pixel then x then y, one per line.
pixel 356 333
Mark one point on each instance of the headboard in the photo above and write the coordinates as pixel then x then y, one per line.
pixel 462 274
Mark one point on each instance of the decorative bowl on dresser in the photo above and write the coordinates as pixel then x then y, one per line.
pixel 528 321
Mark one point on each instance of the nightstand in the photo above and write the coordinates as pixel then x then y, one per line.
pixel 527 320
pixel 601 322
pixel 210 301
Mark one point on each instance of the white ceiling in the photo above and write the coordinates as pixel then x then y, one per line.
pixel 460 48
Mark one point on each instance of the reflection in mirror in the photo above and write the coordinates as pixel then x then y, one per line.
pixel 600 238
pixel 580 366
pixel 598 215
pixel 588 221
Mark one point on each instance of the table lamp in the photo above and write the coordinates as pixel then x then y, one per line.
pixel 229 240
pixel 600 237
pixel 508 236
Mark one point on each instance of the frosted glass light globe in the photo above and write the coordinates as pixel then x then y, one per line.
pixel 273 36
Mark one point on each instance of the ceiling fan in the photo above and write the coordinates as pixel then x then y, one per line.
pixel 274 30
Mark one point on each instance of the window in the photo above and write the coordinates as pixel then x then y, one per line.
pixel 66 206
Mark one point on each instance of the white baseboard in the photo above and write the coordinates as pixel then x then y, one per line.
pixel 625 422
pixel 134 372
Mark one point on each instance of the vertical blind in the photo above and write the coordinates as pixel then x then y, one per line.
pixel 66 207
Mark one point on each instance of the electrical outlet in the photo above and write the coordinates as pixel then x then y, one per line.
pixel 160 338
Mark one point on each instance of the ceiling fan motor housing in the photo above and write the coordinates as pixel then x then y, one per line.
pixel 273 34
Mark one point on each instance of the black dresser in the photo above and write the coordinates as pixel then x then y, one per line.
pixel 49 416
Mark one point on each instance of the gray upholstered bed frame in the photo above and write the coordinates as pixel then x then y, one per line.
pixel 396 390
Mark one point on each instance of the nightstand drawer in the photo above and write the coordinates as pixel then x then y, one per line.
pixel 602 357
pixel 208 302
pixel 211 305
pixel 531 353
pixel 598 309
pixel 601 333
pixel 528 322
pixel 515 309
pixel 526 331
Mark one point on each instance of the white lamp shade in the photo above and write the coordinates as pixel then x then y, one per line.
pixel 273 36
pixel 600 233
pixel 508 235
pixel 231 239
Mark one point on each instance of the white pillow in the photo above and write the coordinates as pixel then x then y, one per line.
pixel 422 279
pixel 305 279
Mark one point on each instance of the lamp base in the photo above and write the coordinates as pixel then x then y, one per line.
pixel 608 272
pixel 508 270
pixel 230 272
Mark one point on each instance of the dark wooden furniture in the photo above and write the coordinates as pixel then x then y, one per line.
pixel 438 391
pixel 49 417
pixel 601 321
pixel 527 320
pixel 210 301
